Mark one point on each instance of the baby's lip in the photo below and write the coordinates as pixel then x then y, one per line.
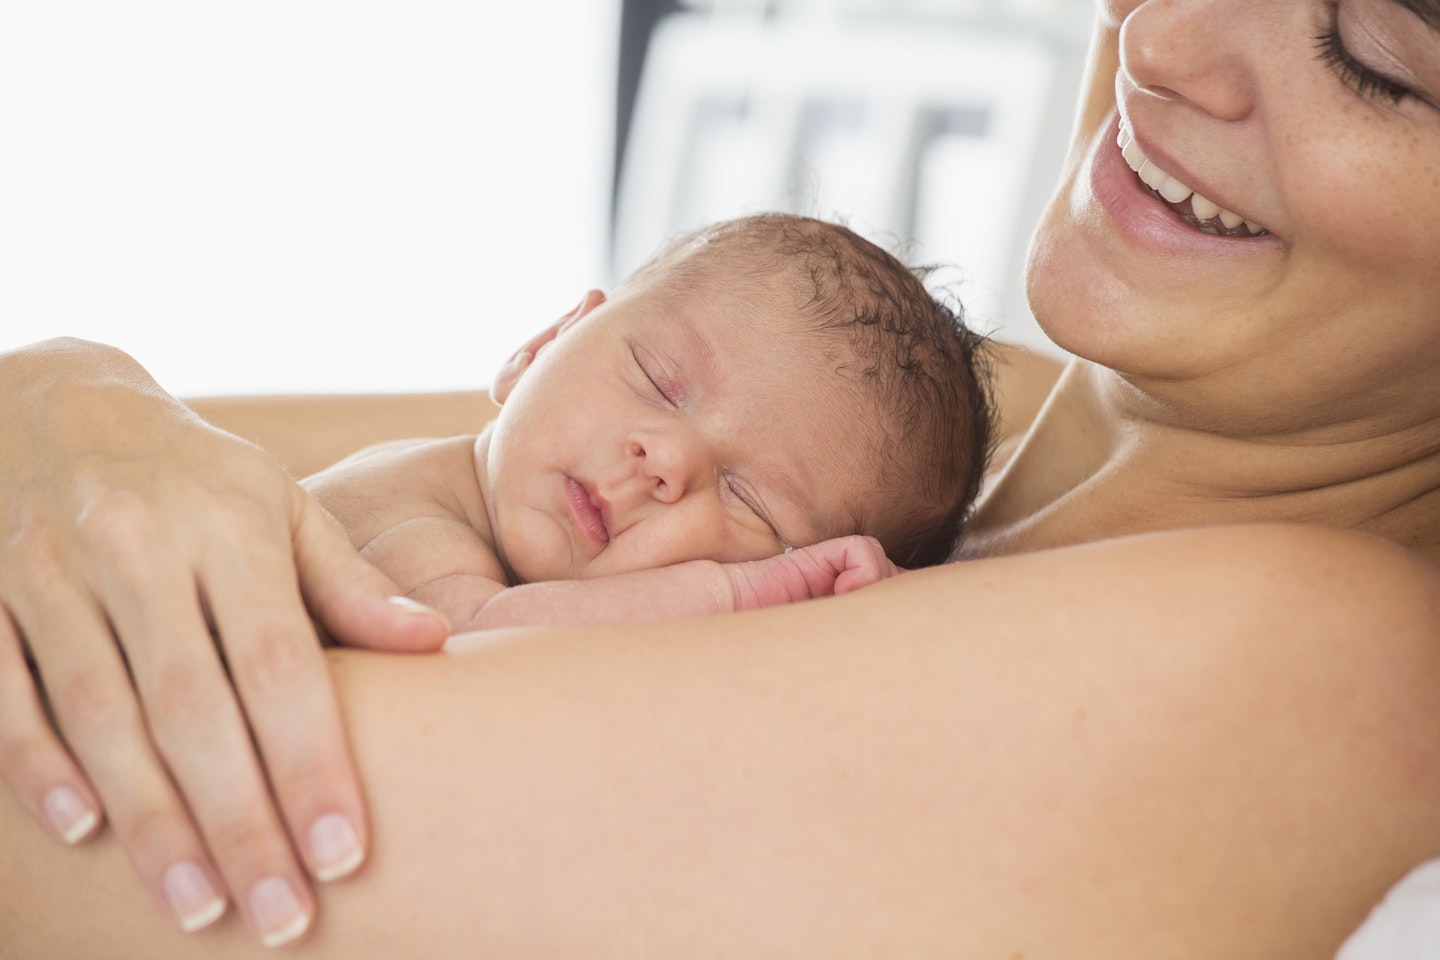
pixel 588 510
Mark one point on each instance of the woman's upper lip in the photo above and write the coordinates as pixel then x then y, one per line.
pixel 1175 168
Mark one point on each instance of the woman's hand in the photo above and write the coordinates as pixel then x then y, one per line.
pixel 135 540
pixel 828 568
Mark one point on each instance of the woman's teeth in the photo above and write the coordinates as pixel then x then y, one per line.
pixel 1201 212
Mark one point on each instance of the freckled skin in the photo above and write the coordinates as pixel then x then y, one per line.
pixel 1291 147
pixel 1291 377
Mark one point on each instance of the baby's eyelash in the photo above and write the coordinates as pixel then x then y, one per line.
pixel 658 389
pixel 739 495
pixel 654 381
pixel 1366 82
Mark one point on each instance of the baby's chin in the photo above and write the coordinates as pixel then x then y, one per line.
pixel 524 566
pixel 533 548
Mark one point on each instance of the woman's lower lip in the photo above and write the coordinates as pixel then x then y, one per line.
pixel 587 520
pixel 1146 220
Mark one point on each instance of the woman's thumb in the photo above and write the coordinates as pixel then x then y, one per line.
pixel 356 604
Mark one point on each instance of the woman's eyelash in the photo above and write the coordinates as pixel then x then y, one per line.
pixel 1366 82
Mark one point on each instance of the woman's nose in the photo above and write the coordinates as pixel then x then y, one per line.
pixel 1174 50
pixel 669 464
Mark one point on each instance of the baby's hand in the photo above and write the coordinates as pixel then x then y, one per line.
pixel 828 568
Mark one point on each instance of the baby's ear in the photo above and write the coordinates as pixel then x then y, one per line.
pixel 521 359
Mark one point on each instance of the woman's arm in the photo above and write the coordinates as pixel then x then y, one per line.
pixel 1195 744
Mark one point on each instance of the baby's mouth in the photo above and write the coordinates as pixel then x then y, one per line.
pixel 1200 212
pixel 588 514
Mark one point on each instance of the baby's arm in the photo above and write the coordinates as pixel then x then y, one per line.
pixel 696 588
pixel 411 508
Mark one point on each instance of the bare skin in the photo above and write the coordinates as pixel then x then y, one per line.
pixel 771 837
pixel 1202 742
pixel 592 472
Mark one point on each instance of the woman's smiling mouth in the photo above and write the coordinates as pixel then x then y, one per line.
pixel 1200 212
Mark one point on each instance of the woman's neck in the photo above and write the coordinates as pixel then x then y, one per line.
pixel 1097 463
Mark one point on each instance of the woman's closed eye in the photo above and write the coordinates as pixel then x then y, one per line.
pixel 1365 79
pixel 1355 74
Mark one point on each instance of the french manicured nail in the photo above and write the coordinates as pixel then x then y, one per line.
pixel 410 606
pixel 334 848
pixel 68 814
pixel 276 912
pixel 414 606
pixel 191 896
pixel 406 605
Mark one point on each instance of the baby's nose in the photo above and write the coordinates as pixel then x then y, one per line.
pixel 669 465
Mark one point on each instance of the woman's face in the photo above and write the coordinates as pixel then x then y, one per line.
pixel 1316 121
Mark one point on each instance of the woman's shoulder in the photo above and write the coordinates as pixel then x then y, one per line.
pixel 1279 584
pixel 1278 578
pixel 1300 557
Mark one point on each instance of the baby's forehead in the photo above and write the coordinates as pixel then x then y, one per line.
pixel 842 449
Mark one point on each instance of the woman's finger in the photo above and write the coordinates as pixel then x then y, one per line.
pixel 91 696
pixel 200 732
pixel 357 603
pixel 118 498
pixel 285 686
pixel 146 583
pixel 33 761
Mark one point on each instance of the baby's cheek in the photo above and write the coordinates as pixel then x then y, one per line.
pixel 534 553
pixel 754 545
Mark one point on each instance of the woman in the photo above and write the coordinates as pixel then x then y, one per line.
pixel 1179 701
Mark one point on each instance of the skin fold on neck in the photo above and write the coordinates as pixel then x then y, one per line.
pixel 1098 462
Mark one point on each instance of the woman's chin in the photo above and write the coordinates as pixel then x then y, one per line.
pixel 1124 315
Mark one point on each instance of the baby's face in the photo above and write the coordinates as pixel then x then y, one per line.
pixel 649 434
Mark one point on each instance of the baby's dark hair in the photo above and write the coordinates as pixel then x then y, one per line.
pixel 928 372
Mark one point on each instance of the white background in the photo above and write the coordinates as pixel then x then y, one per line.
pixel 303 196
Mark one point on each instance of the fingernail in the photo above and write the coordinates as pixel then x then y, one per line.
pixel 191 896
pixel 334 848
pixel 276 912
pixel 68 814
pixel 414 606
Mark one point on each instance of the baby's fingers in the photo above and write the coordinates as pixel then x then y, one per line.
pixel 862 561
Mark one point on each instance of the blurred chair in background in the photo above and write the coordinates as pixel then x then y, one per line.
pixel 934 127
